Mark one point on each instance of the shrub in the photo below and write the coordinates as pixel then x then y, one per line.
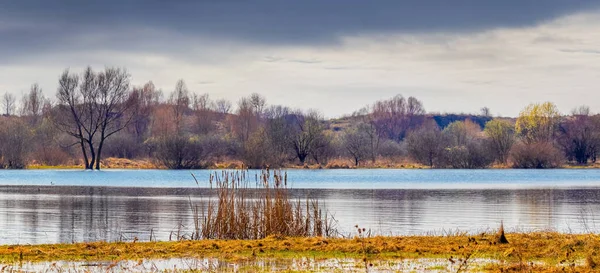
pixel 473 155
pixel 538 155
pixel 122 145
pixel 178 152
pixel 392 149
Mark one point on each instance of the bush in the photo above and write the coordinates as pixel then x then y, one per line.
pixel 473 155
pixel 51 156
pixel 392 149
pixel 122 145
pixel 538 155
pixel 178 152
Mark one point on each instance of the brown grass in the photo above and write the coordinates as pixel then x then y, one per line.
pixel 337 163
pixel 530 252
pixel 246 211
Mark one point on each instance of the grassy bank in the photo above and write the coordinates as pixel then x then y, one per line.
pixel 544 251
pixel 123 163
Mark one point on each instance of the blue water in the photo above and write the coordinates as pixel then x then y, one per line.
pixel 320 179
pixel 49 206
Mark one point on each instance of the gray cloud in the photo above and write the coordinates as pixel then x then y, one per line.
pixel 308 53
pixel 41 24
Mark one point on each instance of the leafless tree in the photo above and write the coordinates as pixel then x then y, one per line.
pixel 579 136
pixel 357 143
pixel 92 107
pixel 246 120
pixel 33 103
pixel 8 104
pixel 15 144
pixel 223 106
pixel 180 101
pixel 201 102
pixel 258 103
pixel 203 113
pixel 307 131
pixel 394 117
pixel 426 144
pixel 486 112
pixel 279 128
pixel 143 101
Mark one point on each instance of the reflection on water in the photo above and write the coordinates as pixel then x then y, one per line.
pixel 50 214
pixel 262 265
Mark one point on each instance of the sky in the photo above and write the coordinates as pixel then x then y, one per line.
pixel 335 56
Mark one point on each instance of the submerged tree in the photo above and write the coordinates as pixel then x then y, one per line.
pixel 93 107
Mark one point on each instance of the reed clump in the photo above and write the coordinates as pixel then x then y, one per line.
pixel 246 210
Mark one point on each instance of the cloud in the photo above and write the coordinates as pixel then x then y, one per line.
pixel 53 25
pixel 335 56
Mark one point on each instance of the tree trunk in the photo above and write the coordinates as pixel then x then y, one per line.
pixel 85 157
pixel 92 156
pixel 302 158
pixel 98 156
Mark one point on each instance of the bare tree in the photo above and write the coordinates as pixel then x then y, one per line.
pixel 486 112
pixel 394 117
pixel 93 107
pixel 426 144
pixel 579 135
pixel 143 101
pixel 307 131
pixel 8 104
pixel 246 120
pixel 223 106
pixel 203 113
pixel 357 143
pixel 33 103
pixel 258 103
pixel 279 127
pixel 15 144
pixel 201 102
pixel 180 100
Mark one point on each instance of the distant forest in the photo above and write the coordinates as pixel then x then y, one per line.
pixel 98 114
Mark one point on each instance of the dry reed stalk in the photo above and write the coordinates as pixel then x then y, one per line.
pixel 242 211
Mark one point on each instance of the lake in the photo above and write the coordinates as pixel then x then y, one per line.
pixel 50 206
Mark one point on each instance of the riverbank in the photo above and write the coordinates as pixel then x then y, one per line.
pixel 147 164
pixel 531 252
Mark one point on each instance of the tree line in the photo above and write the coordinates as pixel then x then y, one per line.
pixel 99 114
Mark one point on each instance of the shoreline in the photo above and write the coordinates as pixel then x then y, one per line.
pixel 145 164
pixel 538 251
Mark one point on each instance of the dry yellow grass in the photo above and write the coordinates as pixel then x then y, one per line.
pixel 338 163
pixel 530 252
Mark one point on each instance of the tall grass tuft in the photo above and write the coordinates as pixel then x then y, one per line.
pixel 245 210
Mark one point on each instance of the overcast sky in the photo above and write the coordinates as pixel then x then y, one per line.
pixel 332 55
